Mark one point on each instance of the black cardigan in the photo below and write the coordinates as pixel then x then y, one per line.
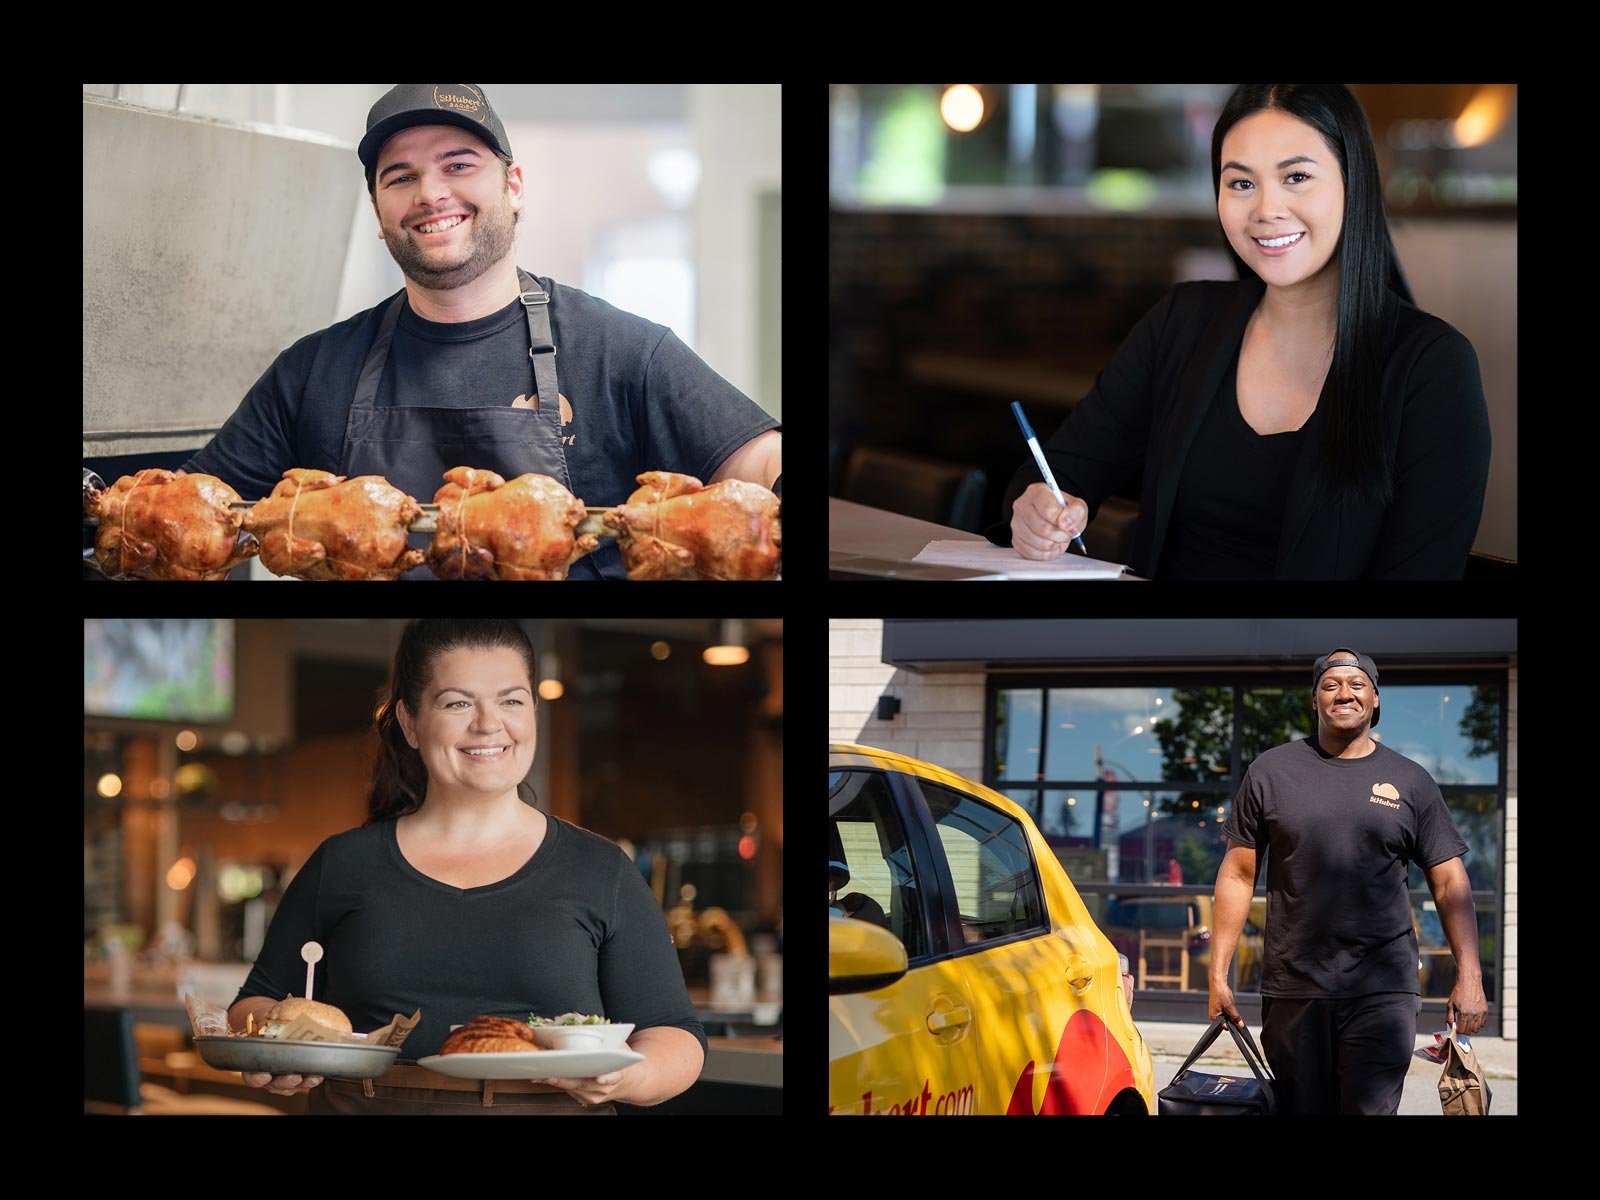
pixel 1146 407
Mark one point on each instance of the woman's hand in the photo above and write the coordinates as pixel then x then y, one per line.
pixel 602 1088
pixel 1040 528
pixel 282 1085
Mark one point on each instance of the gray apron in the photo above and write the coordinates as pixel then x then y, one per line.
pixel 413 446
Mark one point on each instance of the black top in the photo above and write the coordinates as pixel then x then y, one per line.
pixel 575 929
pixel 1231 497
pixel 1338 834
pixel 641 400
pixel 1145 409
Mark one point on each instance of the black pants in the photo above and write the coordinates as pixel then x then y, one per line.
pixel 1339 1056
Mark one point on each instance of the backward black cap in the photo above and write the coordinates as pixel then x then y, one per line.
pixel 1348 658
pixel 408 104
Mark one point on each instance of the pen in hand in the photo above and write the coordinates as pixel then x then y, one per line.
pixel 1044 468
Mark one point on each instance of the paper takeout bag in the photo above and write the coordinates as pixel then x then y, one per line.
pixel 1463 1092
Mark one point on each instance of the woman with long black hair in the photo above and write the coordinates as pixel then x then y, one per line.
pixel 1306 422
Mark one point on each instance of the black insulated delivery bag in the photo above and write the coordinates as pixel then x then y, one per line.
pixel 1192 1094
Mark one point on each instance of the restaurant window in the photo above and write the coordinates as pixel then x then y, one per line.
pixel 1132 785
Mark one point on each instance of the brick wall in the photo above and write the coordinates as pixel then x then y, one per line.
pixel 940 718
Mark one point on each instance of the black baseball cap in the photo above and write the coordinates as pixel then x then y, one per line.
pixel 408 104
pixel 1348 658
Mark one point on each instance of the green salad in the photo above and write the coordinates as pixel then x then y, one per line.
pixel 571 1018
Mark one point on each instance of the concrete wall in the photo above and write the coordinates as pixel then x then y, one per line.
pixel 738 136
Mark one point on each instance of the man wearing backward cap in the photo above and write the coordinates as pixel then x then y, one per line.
pixel 1342 816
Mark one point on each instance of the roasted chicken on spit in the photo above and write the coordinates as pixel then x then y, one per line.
pixel 491 529
pixel 168 525
pixel 317 525
pixel 674 527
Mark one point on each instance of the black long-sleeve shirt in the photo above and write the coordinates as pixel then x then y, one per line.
pixel 574 930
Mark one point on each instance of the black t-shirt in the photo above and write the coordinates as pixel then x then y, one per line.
pixel 641 400
pixel 574 930
pixel 1338 834
pixel 1232 493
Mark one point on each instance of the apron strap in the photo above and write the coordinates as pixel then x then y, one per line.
pixel 541 348
pixel 372 370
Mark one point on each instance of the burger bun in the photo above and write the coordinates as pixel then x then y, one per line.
pixel 296 1007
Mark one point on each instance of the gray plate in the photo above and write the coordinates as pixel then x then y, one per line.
pixel 296 1058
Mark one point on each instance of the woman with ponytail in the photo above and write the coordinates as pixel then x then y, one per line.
pixel 1306 422
pixel 461 899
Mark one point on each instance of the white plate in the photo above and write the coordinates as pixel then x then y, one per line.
pixel 532 1064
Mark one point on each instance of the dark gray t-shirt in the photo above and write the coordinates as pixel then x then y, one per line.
pixel 640 399
pixel 1338 834
pixel 574 930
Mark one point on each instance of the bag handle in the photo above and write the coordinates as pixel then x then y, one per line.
pixel 1247 1047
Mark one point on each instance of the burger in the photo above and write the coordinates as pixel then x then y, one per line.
pixel 281 1015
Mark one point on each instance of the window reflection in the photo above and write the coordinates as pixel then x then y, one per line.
pixel 1154 734
pixel 1478 819
pixel 1016 733
pixel 1452 731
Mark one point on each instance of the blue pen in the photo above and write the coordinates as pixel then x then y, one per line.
pixel 1038 457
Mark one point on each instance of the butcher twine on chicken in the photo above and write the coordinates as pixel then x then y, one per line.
pixel 161 525
pixel 318 525
pixel 491 529
pixel 674 527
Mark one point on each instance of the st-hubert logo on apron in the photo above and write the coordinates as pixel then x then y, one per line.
pixel 566 412
pixel 459 97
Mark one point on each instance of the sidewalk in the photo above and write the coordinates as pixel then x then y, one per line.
pixel 1174 1040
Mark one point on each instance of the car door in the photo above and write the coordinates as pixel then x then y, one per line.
pixel 906 1049
pixel 1028 981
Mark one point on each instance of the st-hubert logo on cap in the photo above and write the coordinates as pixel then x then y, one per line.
pixel 459 97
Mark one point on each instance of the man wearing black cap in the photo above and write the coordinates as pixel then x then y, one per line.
pixel 460 367
pixel 1342 815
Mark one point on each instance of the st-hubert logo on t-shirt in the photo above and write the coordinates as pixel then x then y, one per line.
pixel 1385 794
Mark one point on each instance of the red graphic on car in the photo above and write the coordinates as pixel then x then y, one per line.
pixel 1090 1069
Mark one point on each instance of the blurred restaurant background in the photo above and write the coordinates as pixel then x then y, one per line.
pixel 997 242
pixel 218 754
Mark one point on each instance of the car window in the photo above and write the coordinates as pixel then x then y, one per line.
pixel 870 873
pixel 997 888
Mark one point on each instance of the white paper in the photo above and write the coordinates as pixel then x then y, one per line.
pixel 1002 560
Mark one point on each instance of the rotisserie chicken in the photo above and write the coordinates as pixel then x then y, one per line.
pixel 674 527
pixel 317 525
pixel 164 525
pixel 491 529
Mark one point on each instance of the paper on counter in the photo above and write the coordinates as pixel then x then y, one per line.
pixel 1002 560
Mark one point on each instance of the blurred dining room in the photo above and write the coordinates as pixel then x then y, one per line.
pixel 992 243
pixel 219 754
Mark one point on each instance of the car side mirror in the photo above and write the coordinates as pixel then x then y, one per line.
pixel 862 957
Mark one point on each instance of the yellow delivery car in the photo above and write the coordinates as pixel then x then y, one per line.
pixel 964 973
